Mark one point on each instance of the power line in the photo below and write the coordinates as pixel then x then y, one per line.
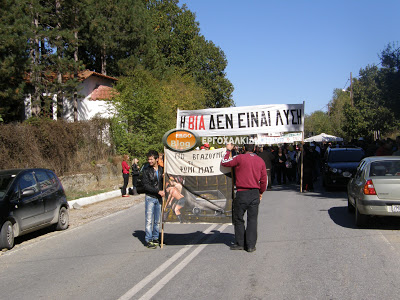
pixel 346 83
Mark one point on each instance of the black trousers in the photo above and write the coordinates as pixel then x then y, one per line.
pixel 246 201
pixel 126 180
pixel 134 180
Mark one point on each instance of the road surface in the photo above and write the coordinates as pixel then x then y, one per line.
pixel 308 248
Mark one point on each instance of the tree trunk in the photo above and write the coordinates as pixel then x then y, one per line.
pixel 76 74
pixel 60 105
pixel 103 60
pixel 35 76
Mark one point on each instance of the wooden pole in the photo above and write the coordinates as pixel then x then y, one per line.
pixel 163 203
pixel 351 89
pixel 302 151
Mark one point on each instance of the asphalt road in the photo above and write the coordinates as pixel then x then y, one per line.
pixel 308 248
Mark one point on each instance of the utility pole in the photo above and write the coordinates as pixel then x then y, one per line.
pixel 351 89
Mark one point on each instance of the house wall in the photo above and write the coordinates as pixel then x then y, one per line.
pixel 87 108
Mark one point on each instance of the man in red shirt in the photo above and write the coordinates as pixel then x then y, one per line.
pixel 251 182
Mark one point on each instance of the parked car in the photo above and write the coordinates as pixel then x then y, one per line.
pixel 339 165
pixel 30 199
pixel 375 188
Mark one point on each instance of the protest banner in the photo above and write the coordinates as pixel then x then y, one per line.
pixel 243 120
pixel 198 189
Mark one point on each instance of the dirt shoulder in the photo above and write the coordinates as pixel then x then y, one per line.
pixel 87 213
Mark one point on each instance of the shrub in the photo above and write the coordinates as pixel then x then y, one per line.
pixel 58 145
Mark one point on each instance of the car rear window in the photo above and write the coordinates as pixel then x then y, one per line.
pixel 346 156
pixel 385 168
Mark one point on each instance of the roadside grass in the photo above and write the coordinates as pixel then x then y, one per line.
pixel 73 195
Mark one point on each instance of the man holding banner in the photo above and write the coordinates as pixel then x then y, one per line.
pixel 251 182
pixel 153 187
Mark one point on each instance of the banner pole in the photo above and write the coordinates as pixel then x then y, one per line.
pixel 163 203
pixel 302 151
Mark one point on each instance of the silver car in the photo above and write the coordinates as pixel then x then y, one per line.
pixel 375 188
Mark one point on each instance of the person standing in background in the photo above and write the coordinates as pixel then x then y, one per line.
pixel 268 159
pixel 161 160
pixel 280 167
pixel 135 175
pixel 125 174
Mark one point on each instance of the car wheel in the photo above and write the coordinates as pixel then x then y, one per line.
pixel 361 220
pixel 7 235
pixel 350 207
pixel 63 219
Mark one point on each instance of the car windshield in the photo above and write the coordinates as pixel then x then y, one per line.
pixel 5 181
pixel 346 156
pixel 385 168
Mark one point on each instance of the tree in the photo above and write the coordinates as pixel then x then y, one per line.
pixel 336 112
pixel 46 42
pixel 370 112
pixel 180 45
pixel 390 60
pixel 146 108
pixel 14 59
pixel 316 123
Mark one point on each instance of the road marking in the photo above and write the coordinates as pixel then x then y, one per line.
pixel 134 290
pixel 156 288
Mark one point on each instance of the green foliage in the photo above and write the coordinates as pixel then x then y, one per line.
pixel 146 109
pixel 14 58
pixel 45 42
pixel 316 123
pixel 336 112
pixel 372 109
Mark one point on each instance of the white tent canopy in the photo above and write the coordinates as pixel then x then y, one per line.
pixel 323 137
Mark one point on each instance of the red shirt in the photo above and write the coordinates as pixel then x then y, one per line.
pixel 125 167
pixel 249 169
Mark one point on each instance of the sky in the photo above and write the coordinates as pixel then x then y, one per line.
pixel 290 51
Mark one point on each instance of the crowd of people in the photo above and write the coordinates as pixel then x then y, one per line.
pixel 282 166
pixel 283 162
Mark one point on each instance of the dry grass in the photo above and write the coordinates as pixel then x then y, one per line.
pixel 64 147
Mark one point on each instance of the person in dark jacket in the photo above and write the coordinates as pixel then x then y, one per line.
pixel 251 182
pixel 280 166
pixel 308 168
pixel 153 188
pixel 135 175
pixel 268 159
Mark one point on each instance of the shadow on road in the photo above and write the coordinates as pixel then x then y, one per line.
pixel 342 217
pixel 192 238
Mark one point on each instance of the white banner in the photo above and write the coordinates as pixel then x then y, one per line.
pixel 195 163
pixel 263 139
pixel 242 120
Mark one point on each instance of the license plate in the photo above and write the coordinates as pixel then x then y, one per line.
pixel 395 208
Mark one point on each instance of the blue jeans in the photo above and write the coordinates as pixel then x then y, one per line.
pixel 152 218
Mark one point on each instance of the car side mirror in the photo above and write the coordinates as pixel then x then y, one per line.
pixel 27 193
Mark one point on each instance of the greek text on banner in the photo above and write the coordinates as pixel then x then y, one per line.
pixel 243 120
pixel 196 163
